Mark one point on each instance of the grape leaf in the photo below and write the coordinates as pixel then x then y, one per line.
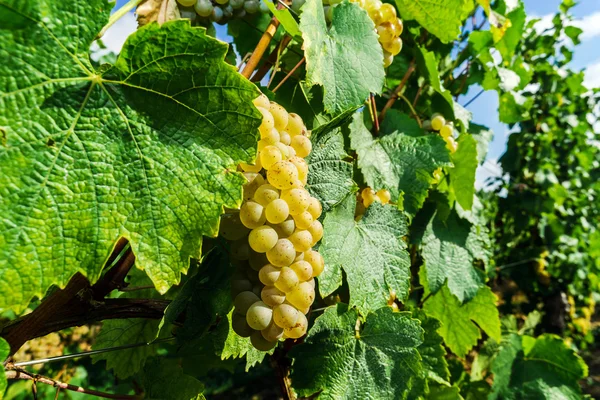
pixel 119 332
pixel 329 174
pixel 458 320
pixel 441 18
pixel 370 251
pixel 401 163
pixel 164 379
pixel 511 36
pixel 449 247
pixel 542 368
pixel 90 156
pixel 285 18
pixel 380 361
pixel 346 58
pixel 462 176
pixel 4 352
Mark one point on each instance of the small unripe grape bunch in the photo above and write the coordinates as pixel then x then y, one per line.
pixel 273 234
pixel 445 128
pixel 368 196
pixel 219 11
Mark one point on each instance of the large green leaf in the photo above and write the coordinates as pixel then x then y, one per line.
pixel 330 172
pixel 449 247
pixel 145 149
pixel 542 368
pixel 164 379
pixel 403 164
pixel 370 251
pixel 462 176
pixel 346 58
pixel 4 352
pixel 379 361
pixel 441 18
pixel 459 328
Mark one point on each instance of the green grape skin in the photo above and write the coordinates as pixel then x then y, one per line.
pixel 297 199
pixel 260 343
pixel 240 326
pixel 302 145
pixel 316 261
pixel 262 239
pixel 314 208
pixel 277 211
pixel 303 269
pixel 268 275
pixel 203 8
pixel 302 240
pixel 299 329
pixel 269 156
pixel 303 220
pixel 283 175
pixel 217 15
pixel 259 315
pixel 316 232
pixel 272 296
pixel 282 254
pixel 272 333
pixel 285 315
pixel 302 296
pixel 252 215
pixel 237 4
pixel 243 301
pixel 265 194
pixel 251 6
pixel 287 280
pixel 279 115
pixel 285 228
pixel 187 3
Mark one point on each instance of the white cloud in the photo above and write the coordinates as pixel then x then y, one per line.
pixel 115 36
pixel 490 168
pixel 592 75
pixel 590 24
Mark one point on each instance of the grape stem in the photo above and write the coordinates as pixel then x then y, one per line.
pixel 398 90
pixel 24 375
pixel 374 107
pixel 118 15
pixel 272 59
pixel 285 78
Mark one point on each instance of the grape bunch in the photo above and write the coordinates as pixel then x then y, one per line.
pixel 369 196
pixel 219 11
pixel 273 233
pixel 387 24
pixel 445 128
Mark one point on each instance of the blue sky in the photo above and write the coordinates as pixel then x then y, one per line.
pixel 484 109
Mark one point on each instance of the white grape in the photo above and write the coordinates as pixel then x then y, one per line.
pixel 299 329
pixel 314 208
pixel 279 115
pixel 303 269
pixel 269 274
pixel 316 232
pixel 285 315
pixel 287 280
pixel 303 220
pixel 282 254
pixel 301 145
pixel 262 239
pixel 272 296
pixel 277 211
pixel 302 296
pixel 259 342
pixel 252 215
pixel 259 316
pixel 283 175
pixel 302 240
pixel 272 333
pixel 243 301
pixel 316 261
pixel 269 156
pixel 265 194
pixel 297 199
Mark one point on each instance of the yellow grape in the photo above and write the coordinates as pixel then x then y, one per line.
pixel 265 194
pixel 388 12
pixel 298 199
pixel 262 239
pixel 384 196
pixel 299 328
pixel 269 156
pixel 262 101
pixel 302 167
pixel 272 333
pixel 316 232
pixel 316 261
pixel 284 149
pixel 282 254
pixel 260 343
pixel 376 15
pixel 268 122
pixel 240 325
pixel 446 130
pixel 280 116
pixel 259 316
pixel 437 122
pixel 277 211
pixel 285 138
pixel 252 215
pixel 250 167
pixel 291 152
pixel 295 125
pixel 385 32
pixel 302 145
pixel 272 296
pixel 303 269
pixel 268 275
pixel 302 296
pixel 398 26
pixel 451 144
pixel 287 280
pixel 243 301
pixel 261 145
pixel 312 282
pixel 373 5
pixel 394 46
pixel 283 175
pixel 286 228
pixel 388 58
pixel 271 137
pixel 369 197
pixel 314 208
pixel 303 220
pixel 254 181
pixel 302 240
pixel 240 250
pixel 285 315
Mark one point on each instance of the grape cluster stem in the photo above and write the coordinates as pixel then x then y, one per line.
pixel 398 90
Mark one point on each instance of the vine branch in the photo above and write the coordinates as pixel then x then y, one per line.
pixel 260 49
pixel 399 88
